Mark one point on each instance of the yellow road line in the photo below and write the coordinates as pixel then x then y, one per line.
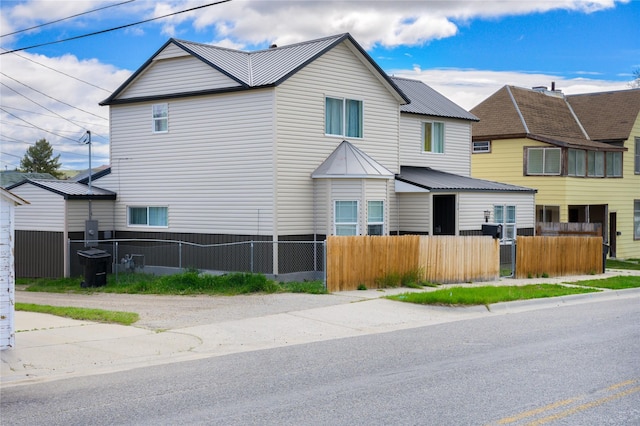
pixel 531 413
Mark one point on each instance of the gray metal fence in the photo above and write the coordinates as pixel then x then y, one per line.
pixel 281 260
pixel 507 258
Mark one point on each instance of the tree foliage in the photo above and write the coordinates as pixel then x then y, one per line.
pixel 635 83
pixel 39 159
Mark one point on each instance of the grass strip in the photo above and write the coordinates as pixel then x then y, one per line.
pixel 633 264
pixel 620 282
pixel 486 295
pixel 96 315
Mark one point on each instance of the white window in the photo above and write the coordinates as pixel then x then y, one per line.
pixel 346 218
pixel 543 161
pixel 636 219
pixel 148 216
pixel 160 118
pixel 595 164
pixel 614 164
pixel 343 117
pixel 576 162
pixel 375 218
pixel 480 147
pixel 506 216
pixel 433 137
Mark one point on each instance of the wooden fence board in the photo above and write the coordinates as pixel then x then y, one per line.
pixel 558 256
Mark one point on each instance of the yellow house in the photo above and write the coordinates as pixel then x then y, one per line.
pixel 581 152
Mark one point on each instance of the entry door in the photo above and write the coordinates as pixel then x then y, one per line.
pixel 613 231
pixel 444 215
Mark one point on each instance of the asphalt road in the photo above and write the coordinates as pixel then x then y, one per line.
pixel 575 365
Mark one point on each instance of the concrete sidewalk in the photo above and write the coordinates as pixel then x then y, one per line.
pixel 50 348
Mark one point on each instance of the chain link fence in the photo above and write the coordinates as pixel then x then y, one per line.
pixel 280 260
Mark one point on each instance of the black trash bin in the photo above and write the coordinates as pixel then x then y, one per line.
pixel 96 263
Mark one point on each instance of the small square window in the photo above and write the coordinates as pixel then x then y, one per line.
pixel 481 147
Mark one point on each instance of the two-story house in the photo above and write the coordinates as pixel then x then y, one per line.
pixel 291 143
pixel 581 152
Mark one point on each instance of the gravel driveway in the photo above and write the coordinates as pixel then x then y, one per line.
pixel 173 312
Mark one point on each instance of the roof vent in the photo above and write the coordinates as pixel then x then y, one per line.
pixel 273 46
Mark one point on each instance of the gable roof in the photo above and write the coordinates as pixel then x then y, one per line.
pixel 607 116
pixel 514 112
pixel 427 101
pixel 347 161
pixel 12 197
pixel 69 190
pixel 437 181
pixel 262 68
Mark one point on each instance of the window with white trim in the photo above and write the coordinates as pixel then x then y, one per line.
pixel 375 218
pixel 433 137
pixel 576 163
pixel 595 164
pixel 543 161
pixel 346 218
pixel 343 117
pixel 614 164
pixel 160 113
pixel 636 219
pixel 481 147
pixel 506 216
pixel 148 216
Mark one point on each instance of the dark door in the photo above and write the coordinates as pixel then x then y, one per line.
pixel 613 232
pixel 444 215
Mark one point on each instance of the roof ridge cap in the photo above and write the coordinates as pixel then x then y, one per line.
pixel 515 104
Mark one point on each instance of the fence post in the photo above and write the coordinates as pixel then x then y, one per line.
pixel 180 256
pixel 67 264
pixel 513 258
pixel 251 257
pixel 324 255
pixel 115 258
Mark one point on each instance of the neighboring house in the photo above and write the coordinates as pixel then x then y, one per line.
pixel 293 143
pixel 57 212
pixel 9 178
pixel 7 267
pixel 581 152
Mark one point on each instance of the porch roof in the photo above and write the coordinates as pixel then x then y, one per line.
pixel 438 181
pixel 69 190
pixel 347 161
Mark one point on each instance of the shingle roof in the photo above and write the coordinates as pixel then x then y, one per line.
pixel 515 112
pixel 347 161
pixel 69 190
pixel 427 101
pixel 261 68
pixel 607 116
pixel 437 181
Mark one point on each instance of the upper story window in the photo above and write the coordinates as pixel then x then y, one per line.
pixel 433 137
pixel 375 218
pixel 480 147
pixel 595 163
pixel 636 167
pixel 148 216
pixel 543 161
pixel 343 117
pixel 346 218
pixel 160 118
pixel 576 163
pixel 614 164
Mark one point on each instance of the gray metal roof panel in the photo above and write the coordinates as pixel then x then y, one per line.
pixel 436 180
pixel 347 161
pixel 69 189
pixel 427 101
pixel 233 63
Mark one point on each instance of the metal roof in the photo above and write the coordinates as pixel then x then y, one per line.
pixel 70 190
pixel 437 181
pixel 347 161
pixel 425 100
pixel 9 178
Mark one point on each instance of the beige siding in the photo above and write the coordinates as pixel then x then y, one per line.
pixel 212 169
pixel 457 146
pixel 46 211
pixel 415 212
pixel 78 213
pixel 176 75
pixel 471 207
pixel 302 144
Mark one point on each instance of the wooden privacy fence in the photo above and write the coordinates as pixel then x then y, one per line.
pixel 370 261
pixel 558 256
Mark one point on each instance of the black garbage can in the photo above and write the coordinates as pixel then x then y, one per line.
pixel 96 263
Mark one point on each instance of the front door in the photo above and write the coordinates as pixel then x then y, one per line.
pixel 444 215
pixel 613 232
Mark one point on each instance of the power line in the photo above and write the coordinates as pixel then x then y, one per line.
pixel 114 29
pixel 47 115
pixel 37 127
pixel 68 17
pixel 51 97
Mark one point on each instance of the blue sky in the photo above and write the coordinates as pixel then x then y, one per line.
pixel 465 49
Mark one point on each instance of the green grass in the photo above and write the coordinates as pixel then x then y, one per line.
pixel 614 283
pixel 487 295
pixel 633 264
pixel 186 283
pixel 96 315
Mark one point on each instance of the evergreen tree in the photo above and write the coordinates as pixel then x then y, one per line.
pixel 39 159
